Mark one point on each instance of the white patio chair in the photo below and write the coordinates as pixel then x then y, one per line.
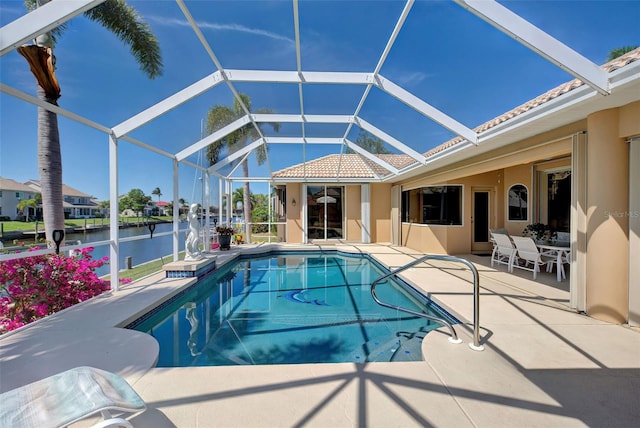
pixel 528 252
pixel 503 250
pixel 68 397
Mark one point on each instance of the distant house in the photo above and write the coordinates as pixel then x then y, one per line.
pixel 76 203
pixel 163 208
pixel 11 193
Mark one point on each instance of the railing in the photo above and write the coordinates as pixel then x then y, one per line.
pixel 476 297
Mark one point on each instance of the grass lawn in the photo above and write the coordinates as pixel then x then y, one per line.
pixel 146 269
pixel 19 226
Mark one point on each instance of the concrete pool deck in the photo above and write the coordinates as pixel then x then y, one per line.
pixel 543 364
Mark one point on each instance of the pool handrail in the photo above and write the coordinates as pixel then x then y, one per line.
pixel 476 297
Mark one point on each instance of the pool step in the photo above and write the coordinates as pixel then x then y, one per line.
pixel 410 350
pixel 385 349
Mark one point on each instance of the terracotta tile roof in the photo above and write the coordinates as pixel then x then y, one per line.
pixel 397 161
pixel 351 166
pixel 613 65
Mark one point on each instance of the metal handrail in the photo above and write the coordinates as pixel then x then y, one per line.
pixel 476 297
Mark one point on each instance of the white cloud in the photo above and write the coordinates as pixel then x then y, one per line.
pixel 408 79
pixel 173 22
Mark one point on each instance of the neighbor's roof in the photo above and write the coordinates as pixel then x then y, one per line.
pixel 8 184
pixel 66 190
pixel 356 166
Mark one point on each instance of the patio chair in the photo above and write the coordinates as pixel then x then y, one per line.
pixel 68 397
pixel 503 250
pixel 528 252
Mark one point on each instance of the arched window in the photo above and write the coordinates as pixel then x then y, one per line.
pixel 518 203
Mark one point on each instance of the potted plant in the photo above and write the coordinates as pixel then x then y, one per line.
pixel 224 236
pixel 540 232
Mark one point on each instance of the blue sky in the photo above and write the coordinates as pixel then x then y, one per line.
pixel 444 55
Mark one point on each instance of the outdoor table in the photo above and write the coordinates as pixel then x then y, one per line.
pixel 557 251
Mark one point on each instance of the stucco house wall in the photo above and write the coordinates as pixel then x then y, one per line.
pixel 294 214
pixel 353 214
pixel 380 212
pixel 606 271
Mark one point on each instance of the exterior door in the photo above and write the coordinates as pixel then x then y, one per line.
pixel 325 212
pixel 481 221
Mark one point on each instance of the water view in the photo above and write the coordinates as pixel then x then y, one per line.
pixel 140 251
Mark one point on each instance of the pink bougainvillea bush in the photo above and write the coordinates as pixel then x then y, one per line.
pixel 34 287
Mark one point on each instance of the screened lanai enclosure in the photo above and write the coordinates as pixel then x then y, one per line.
pixel 323 94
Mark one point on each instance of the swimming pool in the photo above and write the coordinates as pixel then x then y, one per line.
pixel 289 308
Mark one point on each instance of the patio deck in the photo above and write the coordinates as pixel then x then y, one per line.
pixel 543 364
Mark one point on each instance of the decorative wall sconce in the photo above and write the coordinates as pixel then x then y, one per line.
pixel 293 202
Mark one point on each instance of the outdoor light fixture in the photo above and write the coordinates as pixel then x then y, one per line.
pixel 293 202
pixel 58 236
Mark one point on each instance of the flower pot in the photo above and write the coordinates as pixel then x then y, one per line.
pixel 224 241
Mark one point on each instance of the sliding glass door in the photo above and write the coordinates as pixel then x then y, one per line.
pixel 555 198
pixel 325 212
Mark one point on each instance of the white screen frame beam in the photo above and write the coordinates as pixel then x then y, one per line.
pixel 426 109
pixel 356 148
pixel 39 21
pixel 168 104
pixel 538 41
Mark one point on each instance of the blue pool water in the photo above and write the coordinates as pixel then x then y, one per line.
pixel 286 308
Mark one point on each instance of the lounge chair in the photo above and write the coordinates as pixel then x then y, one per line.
pixel 68 397
pixel 528 252
pixel 503 250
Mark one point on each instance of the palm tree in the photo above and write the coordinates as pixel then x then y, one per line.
pixel 24 207
pixel 122 20
pixel 219 116
pixel 157 192
pixel 183 205
pixel 370 143
pixel 237 196
pixel 615 53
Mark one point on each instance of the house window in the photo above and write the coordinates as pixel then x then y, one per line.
pixel 18 195
pixel 554 198
pixel 437 205
pixel 518 207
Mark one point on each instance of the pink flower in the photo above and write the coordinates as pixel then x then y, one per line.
pixel 37 286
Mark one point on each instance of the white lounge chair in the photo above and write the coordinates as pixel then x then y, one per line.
pixel 68 397
pixel 529 253
pixel 503 250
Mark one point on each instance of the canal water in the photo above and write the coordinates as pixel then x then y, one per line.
pixel 140 251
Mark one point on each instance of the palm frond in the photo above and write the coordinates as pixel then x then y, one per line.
pixel 122 20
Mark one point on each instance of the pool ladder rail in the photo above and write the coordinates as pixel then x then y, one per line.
pixel 476 346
